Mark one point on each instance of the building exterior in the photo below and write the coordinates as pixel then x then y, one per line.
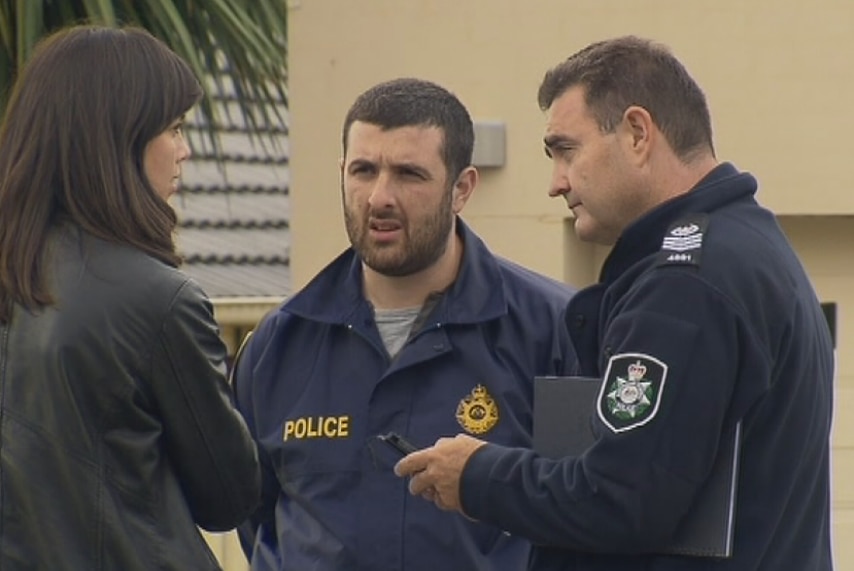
pixel 234 217
pixel 775 73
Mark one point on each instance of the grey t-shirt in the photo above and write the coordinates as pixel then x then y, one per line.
pixel 395 325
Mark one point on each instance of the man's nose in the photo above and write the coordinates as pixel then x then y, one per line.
pixel 559 183
pixel 383 192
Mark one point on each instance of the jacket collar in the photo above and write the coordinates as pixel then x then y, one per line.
pixel 721 186
pixel 335 294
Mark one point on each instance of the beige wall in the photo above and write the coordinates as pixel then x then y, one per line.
pixel 777 75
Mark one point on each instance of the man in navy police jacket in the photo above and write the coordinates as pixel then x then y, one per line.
pixel 416 329
pixel 704 330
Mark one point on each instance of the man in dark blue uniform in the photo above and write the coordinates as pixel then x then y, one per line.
pixel 706 335
pixel 416 329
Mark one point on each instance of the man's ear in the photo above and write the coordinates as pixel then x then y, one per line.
pixel 464 187
pixel 638 132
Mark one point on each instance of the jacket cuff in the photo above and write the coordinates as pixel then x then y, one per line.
pixel 474 481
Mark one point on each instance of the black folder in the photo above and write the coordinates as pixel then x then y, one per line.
pixel 563 411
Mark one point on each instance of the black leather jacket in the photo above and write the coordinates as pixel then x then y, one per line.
pixel 117 431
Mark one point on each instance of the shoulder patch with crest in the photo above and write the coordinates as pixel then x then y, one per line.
pixel 683 243
pixel 631 392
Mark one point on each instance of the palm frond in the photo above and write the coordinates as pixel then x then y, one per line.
pixel 238 48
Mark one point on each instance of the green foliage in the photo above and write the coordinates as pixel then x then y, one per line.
pixel 238 48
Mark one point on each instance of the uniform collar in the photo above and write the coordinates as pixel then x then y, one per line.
pixel 335 294
pixel 722 185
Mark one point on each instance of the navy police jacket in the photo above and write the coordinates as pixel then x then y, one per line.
pixel 703 320
pixel 316 386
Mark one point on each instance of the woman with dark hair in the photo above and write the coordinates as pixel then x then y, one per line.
pixel 117 432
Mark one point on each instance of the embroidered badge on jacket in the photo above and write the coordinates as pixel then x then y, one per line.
pixel 632 390
pixel 683 242
pixel 477 413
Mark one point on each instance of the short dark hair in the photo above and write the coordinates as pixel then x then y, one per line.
pixel 408 102
pixel 618 73
pixel 72 143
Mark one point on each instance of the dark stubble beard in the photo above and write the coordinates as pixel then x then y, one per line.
pixel 422 244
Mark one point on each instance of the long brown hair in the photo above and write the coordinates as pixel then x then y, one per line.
pixel 72 142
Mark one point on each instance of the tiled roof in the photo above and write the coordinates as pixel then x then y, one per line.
pixel 234 217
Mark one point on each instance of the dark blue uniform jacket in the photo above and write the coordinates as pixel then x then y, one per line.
pixel 316 386
pixel 703 317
